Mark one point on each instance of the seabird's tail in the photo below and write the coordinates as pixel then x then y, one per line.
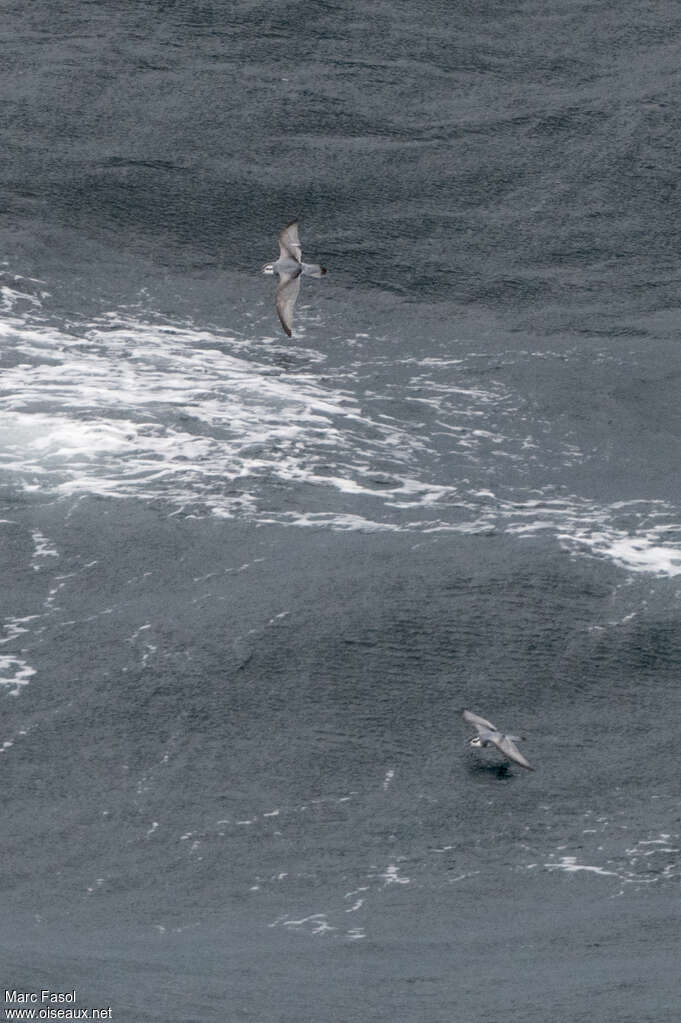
pixel 313 270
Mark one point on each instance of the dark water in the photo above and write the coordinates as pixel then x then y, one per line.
pixel 249 583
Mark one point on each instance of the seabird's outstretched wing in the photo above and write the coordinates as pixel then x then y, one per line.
pixel 479 722
pixel 287 293
pixel 506 746
pixel 289 243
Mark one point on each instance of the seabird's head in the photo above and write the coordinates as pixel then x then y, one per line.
pixel 476 742
pixel 323 269
pixel 268 268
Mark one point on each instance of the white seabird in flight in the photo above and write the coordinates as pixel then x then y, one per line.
pixel 290 267
pixel 489 735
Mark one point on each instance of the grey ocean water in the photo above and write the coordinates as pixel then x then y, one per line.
pixel 248 584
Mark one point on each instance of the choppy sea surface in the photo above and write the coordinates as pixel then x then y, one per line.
pixel 249 583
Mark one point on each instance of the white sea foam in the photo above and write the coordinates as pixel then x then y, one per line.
pixel 391 875
pixel 139 410
pixel 639 553
pixel 204 422
pixel 14 627
pixel 646 861
pixel 315 923
pixel 15 672
pixel 570 865
pixel 44 548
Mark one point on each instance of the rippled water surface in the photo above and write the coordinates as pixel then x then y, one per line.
pixel 249 583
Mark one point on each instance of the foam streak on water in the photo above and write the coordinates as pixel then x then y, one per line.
pixel 140 410
pixel 128 408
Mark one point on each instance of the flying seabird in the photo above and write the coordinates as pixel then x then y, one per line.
pixel 290 267
pixel 489 735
